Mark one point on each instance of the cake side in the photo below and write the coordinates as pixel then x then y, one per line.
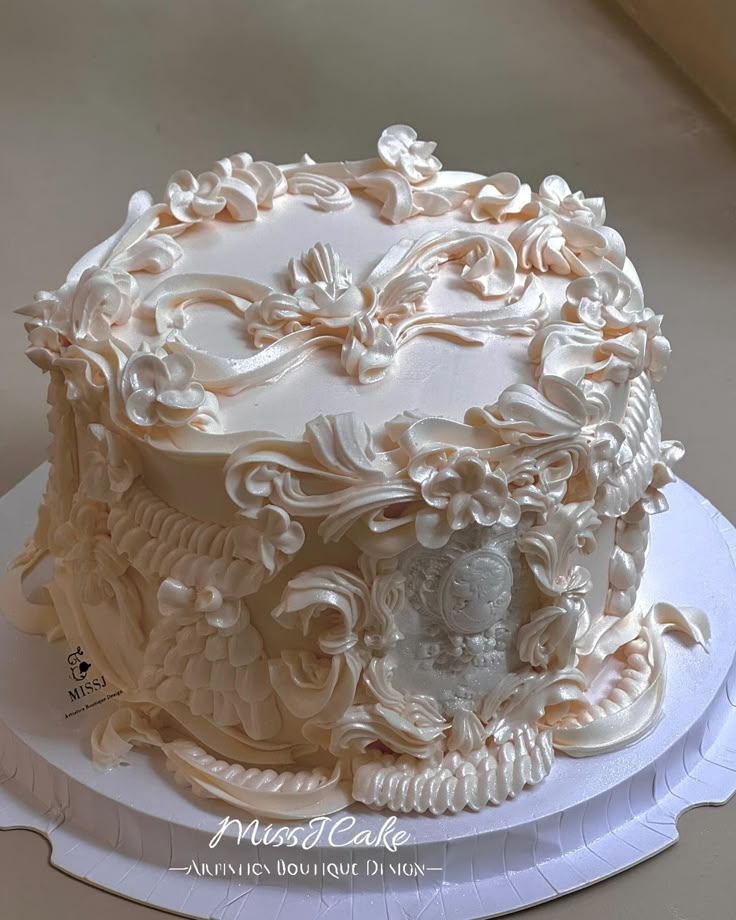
pixel 411 612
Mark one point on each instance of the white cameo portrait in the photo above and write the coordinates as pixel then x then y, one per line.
pixel 476 592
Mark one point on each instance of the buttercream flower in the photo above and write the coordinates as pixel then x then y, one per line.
pixel 250 485
pixel 312 685
pixel 174 598
pixel 247 186
pixel 323 294
pixel 654 500
pixel 369 349
pixel 86 309
pixel 278 536
pixel 330 602
pixel 606 300
pixel 49 313
pixel 102 298
pixel 624 356
pixel 48 324
pixel 548 640
pixel 610 306
pixel 658 356
pixel 44 344
pixel 555 243
pixel 542 244
pixel 193 199
pixel 556 195
pixel 502 195
pixel 608 452
pixel 158 389
pixel 460 488
pixel 276 315
pixel 399 149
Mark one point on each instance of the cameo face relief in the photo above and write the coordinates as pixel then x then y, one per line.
pixel 461 615
pixel 476 592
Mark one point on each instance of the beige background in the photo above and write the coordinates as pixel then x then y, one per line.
pixel 701 37
pixel 100 98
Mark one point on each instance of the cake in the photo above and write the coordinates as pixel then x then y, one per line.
pixel 350 483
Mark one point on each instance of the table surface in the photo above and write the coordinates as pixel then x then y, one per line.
pixel 100 98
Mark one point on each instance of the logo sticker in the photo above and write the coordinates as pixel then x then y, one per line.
pixel 88 687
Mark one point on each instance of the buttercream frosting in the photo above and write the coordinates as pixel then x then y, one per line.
pixel 351 473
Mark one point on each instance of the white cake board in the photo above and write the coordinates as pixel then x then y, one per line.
pixel 129 829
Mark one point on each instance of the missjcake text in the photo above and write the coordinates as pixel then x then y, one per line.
pixel 323 830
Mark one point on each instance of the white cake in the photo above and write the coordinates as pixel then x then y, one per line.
pixel 352 470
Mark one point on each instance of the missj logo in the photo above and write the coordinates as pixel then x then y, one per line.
pixel 77 665
pixel 78 671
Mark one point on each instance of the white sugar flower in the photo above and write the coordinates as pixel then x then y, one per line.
pixel 605 300
pixel 554 243
pixel 193 199
pixel 158 389
pixel 102 299
pixel 612 304
pixel 556 195
pixel 399 149
pixel 278 536
pixel 88 309
pixel 460 488
pixel 175 598
pixel 502 195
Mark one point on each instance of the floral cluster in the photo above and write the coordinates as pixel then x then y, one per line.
pixel 504 195
pixel 77 312
pixel 455 652
pixel 324 299
pixel 610 304
pixel 323 294
pixel 236 183
pixel 459 488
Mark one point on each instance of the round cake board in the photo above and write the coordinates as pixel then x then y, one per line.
pixel 132 831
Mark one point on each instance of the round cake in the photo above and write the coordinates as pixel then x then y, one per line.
pixel 350 484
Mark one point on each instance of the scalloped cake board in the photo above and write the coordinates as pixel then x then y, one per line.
pixel 127 829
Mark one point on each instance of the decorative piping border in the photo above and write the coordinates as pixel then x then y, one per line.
pixel 159 541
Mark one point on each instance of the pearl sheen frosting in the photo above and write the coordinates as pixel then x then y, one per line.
pixel 351 478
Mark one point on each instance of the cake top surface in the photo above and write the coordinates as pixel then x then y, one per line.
pixel 255 297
